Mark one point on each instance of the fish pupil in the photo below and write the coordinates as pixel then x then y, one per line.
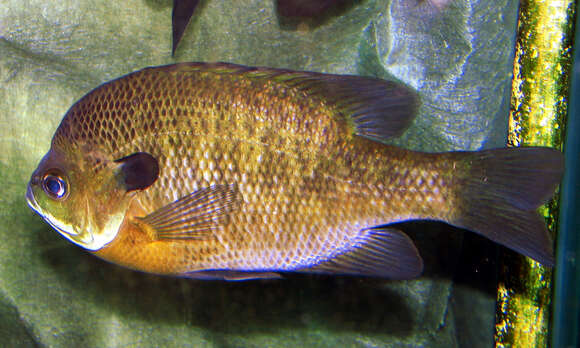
pixel 54 186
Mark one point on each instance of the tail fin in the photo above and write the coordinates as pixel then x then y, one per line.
pixel 502 192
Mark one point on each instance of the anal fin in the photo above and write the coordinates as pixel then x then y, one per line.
pixel 384 252
pixel 231 275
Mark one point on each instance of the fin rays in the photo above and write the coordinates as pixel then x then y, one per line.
pixel 381 252
pixel 379 108
pixel 501 193
pixel 194 216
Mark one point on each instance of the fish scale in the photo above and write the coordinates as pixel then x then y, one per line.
pixel 219 170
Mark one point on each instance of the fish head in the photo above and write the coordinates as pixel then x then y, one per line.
pixel 82 198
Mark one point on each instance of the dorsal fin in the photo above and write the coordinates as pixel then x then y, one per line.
pixel 378 108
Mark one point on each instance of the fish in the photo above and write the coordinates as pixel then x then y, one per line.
pixel 310 14
pixel 181 14
pixel 222 171
pixel 292 14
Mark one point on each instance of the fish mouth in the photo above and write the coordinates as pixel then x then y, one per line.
pixel 34 206
pixel 32 201
pixel 83 237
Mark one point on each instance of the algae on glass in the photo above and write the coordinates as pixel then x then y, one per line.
pixel 52 293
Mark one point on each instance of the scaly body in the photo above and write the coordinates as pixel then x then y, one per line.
pixel 303 181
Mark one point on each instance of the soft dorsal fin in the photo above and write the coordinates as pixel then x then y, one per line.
pixel 195 216
pixel 385 253
pixel 379 108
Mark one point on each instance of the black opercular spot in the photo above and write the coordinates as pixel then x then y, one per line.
pixel 139 170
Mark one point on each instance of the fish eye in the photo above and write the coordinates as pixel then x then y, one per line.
pixel 54 186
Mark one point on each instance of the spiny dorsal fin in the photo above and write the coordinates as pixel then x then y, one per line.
pixel 385 253
pixel 378 108
pixel 195 216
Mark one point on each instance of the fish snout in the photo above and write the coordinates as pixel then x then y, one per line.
pixel 30 198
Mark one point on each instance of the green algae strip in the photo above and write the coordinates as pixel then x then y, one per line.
pixel 542 67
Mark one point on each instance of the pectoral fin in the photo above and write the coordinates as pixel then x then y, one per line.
pixel 195 216
pixel 385 253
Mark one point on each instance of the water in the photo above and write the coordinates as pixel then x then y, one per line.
pixel 53 293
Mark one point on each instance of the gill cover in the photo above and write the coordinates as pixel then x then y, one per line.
pixel 87 206
pixel 131 173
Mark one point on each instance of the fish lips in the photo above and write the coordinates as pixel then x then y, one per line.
pixel 31 200
pixel 83 236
